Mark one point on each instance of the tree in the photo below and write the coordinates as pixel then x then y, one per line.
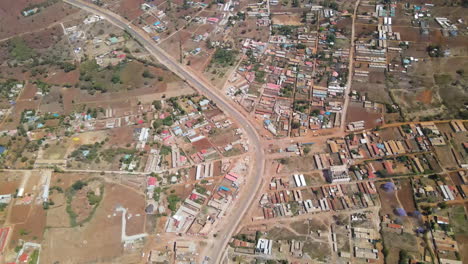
pixel 78 185
pixel 295 125
pixel 404 258
pixel 306 150
pixel 172 200
pixel 442 205
pixel 115 79
pixel 157 123
pixel 147 74
pixel 224 56
pixel 157 105
pixel 168 121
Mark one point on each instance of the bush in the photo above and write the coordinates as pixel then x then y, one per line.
pixel 93 198
pixel 168 121
pixel 147 74
pixel 157 105
pixel 19 50
pixel 78 185
pixel 173 200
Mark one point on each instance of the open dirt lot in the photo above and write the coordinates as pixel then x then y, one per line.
pixel 289 20
pixel 100 239
pixel 10 14
pixel 405 195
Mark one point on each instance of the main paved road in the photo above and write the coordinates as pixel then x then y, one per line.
pixel 253 182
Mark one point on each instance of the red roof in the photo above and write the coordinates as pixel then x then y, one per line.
pixel 152 181
pixel 23 258
pixel 395 226
pixel 376 149
pixel 273 86
pixel 3 234
pixel 213 19
pixel 193 197
pixel 231 178
pixel 388 166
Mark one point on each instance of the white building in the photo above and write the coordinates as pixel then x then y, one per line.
pixel 264 246
pixel 338 174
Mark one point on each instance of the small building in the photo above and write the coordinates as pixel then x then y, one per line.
pixel 264 246
pixel 5 198
pixel 338 174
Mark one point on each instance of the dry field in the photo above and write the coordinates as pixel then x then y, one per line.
pixel 99 240
pixel 10 15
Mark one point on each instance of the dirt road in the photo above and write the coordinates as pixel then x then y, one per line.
pixel 350 70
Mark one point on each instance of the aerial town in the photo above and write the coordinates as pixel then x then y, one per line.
pixel 234 131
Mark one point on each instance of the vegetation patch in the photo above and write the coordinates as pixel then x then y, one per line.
pixel 224 57
pixel 83 198
pixel 20 51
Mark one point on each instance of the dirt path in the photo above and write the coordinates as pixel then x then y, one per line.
pixel 350 70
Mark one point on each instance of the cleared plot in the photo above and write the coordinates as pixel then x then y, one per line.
pixel 287 19
pixel 394 243
pixel 31 226
pixel 388 201
pixel 99 240
pixel 10 14
pixel 444 153
pixel 56 150
pixel 405 195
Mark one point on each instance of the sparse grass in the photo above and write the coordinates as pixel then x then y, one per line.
pixel 19 50
pixel 458 220
pixel 395 242
pixel 34 257
pixel 94 201
pixel 278 233
pixel 232 152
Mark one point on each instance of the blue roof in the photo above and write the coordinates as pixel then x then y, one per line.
pixel 2 149
pixel 157 23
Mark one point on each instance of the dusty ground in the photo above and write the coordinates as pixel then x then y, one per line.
pixel 10 15
pixel 99 239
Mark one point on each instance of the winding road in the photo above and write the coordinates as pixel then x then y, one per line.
pixel 253 182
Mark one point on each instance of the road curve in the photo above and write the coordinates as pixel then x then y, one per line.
pixel 253 182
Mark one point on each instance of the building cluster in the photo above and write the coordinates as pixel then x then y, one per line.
pixel 297 80
pixel 283 201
